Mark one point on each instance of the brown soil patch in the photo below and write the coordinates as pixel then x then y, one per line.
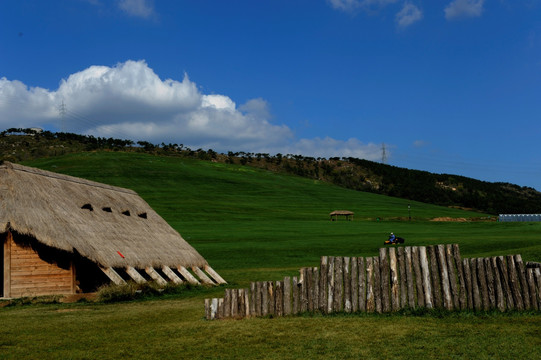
pixel 446 218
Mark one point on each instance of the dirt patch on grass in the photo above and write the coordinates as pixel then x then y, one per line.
pixel 446 218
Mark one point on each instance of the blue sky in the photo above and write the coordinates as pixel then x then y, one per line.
pixel 450 86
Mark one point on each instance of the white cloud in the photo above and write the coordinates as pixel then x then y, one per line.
pixel 353 5
pixel 130 101
pixel 137 8
pixel 458 9
pixel 408 15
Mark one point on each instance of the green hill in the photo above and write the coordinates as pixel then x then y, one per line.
pixel 254 224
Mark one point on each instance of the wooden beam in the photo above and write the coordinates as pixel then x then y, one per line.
pixel 130 270
pixel 186 274
pixel 204 278
pixel 7 265
pixel 171 275
pixel 215 276
pixel 113 275
pixel 155 276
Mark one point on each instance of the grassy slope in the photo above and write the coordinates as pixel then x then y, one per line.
pixel 255 225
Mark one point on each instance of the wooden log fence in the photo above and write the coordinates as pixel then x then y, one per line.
pixel 398 278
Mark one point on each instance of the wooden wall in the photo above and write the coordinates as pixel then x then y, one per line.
pixel 26 274
pixel 399 278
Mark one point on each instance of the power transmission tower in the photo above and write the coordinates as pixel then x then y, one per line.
pixel 62 112
pixel 383 154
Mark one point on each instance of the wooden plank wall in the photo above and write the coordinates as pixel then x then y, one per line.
pixel 399 278
pixel 25 274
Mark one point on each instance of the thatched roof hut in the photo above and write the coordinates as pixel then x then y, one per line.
pixel 109 226
pixel 346 213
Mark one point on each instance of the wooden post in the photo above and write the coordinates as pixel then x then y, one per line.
pixel 241 303
pixel 490 283
pixel 452 276
pixel 264 298
pixel 418 276
pixel 514 283
pixel 186 275
pixel 130 270
pixel 315 287
pixel 521 272
pixel 409 281
pixel 330 285
pixel 323 284
pixel 531 286
pixel 279 300
pixel 537 276
pixel 214 275
pixel 171 275
pixel 155 276
pixel 207 308
pixel 253 299
pixel 303 290
pixel 247 302
pixel 425 273
pixel 287 296
pixel 403 286
pixel 500 300
pixel 370 300
pixel 258 300
pixel 220 311
pixel 270 297
pixel 110 272
pixel 354 284
pixel 435 278
pixel 338 284
pixel 482 279
pixel 234 303
pixel 395 285
pixel 506 286
pixel 468 282
pixel 347 285
pixel 362 283
pixel 442 264
pixel 385 278
pixel 463 302
pixel 204 278
pixel 377 285
pixel 227 303
pixel 295 294
pixel 477 303
pixel 7 266
pixel 308 284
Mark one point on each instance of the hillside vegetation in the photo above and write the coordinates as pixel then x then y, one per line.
pixel 356 174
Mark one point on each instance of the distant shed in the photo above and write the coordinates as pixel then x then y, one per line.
pixel 519 217
pixel 61 235
pixel 345 213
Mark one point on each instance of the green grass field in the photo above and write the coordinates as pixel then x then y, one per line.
pixel 256 225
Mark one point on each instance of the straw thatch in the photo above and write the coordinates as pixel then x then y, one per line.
pixel 95 220
pixel 342 212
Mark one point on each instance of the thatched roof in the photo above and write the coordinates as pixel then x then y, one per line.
pixel 94 219
pixel 341 212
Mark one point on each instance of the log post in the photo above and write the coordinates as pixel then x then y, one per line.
pixel 418 276
pixel 521 272
pixel 264 298
pixel 279 298
pixel 253 299
pixel 155 276
pixel 271 298
pixel 171 275
pixel 477 302
pixel 370 297
pixel 309 288
pixel 452 276
pixel 227 303
pixel 531 286
pixel 490 283
pixel 444 275
pixel 409 281
pixel 287 296
pixel 425 273
pixel 385 278
pixel 514 283
pixel 295 294
pixel 315 287
pixel 402 269
pixel 463 302
pixel 362 283
pixel 338 285
pixel 354 284
pixel 187 275
pixel 330 286
pixel 135 275
pixel 434 277
pixel 500 300
pixel 395 285
pixel 323 284
pixel 110 272
pixel 303 279
pixel 482 279
pixel 468 282
pixel 234 303
pixel 537 276
pixel 506 286
pixel 377 285
pixel 347 284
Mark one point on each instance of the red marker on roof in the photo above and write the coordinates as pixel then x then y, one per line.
pixel 119 253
